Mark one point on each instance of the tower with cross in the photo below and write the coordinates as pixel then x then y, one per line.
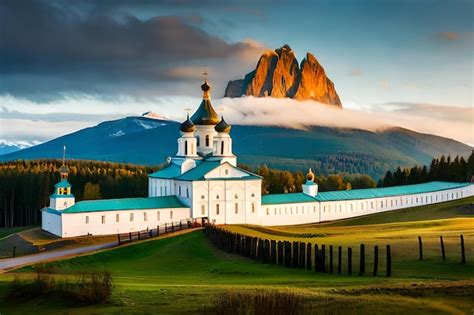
pixel 62 196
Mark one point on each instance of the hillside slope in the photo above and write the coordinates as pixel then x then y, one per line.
pixel 149 141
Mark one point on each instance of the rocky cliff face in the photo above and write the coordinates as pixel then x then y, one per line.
pixel 278 75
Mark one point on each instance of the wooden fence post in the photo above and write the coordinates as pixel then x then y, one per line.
pixel 14 251
pixel 118 239
pixel 166 228
pixel 420 248
pixel 349 261
pixel 157 230
pixel 308 256
pixel 389 261
pixel 273 252
pixel 130 236
pixel 266 253
pixel 180 225
pixel 302 255
pixel 323 258
pixel 362 260
pixel 463 253
pixel 280 253
pixel 295 254
pixel 139 235
pixel 443 253
pixel 339 260
pixel 172 227
pixel 331 268
pixel 316 258
pixel 151 233
pixel 376 260
pixel 287 254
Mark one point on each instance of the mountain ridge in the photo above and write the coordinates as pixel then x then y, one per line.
pixel 327 150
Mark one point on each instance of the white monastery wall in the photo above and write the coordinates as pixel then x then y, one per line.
pixel 313 212
pixel 51 223
pixel 121 221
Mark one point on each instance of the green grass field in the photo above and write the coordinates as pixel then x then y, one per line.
pixel 4 232
pixel 184 274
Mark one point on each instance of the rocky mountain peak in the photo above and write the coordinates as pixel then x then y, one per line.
pixel 278 74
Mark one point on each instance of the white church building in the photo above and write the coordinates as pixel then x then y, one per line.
pixel 202 183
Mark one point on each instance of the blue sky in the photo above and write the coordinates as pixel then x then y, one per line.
pixel 381 55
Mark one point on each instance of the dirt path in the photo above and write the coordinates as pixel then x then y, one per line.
pixel 11 263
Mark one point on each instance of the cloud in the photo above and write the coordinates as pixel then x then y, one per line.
pixel 449 36
pixel 50 49
pixel 356 72
pixel 24 120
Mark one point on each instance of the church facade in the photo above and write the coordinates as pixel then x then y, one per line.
pixel 203 183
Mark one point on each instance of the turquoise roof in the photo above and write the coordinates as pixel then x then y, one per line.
pixel 52 211
pixel 387 191
pixel 286 198
pixel 170 171
pixel 361 193
pixel 62 196
pixel 63 183
pixel 197 173
pixel 126 204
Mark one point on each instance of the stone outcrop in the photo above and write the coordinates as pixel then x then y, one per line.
pixel 278 75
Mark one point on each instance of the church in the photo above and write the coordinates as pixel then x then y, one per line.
pixel 202 183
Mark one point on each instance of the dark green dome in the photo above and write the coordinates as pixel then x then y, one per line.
pixel 205 114
pixel 222 126
pixel 187 126
pixel 63 169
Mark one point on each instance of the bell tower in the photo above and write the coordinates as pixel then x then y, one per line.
pixel 62 197
pixel 310 187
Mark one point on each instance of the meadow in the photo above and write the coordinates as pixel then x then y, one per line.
pixel 186 273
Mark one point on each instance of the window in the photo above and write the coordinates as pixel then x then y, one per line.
pixel 340 208
pixel 203 209
pixel 117 217
pixel 103 219
pixel 65 205
pixel 314 209
pixel 217 196
pixel 236 196
pixel 186 147
pixel 252 195
pixel 253 208
pixel 236 208
pixel 158 215
pixel 372 204
pixel 187 192
pixel 222 147
pixel 268 212
pixel 131 217
pixel 202 197
pixel 217 209
pixel 362 206
pixel 87 219
pixel 352 207
pixel 226 172
pixel 145 216
pixel 179 190
pixel 171 214
pixel 274 211
pixel 166 190
pixel 207 140
pixel 381 204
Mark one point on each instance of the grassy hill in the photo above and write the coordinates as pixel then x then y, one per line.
pixel 184 274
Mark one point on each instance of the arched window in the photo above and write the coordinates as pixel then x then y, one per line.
pixel 217 209
pixel 222 147
pixel 236 208
pixel 207 140
pixel 186 147
pixel 179 189
pixel 197 141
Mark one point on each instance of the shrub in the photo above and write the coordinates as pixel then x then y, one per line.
pixel 261 303
pixel 87 288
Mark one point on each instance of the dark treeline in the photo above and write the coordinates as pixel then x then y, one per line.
pixel 25 186
pixel 440 169
pixel 278 181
